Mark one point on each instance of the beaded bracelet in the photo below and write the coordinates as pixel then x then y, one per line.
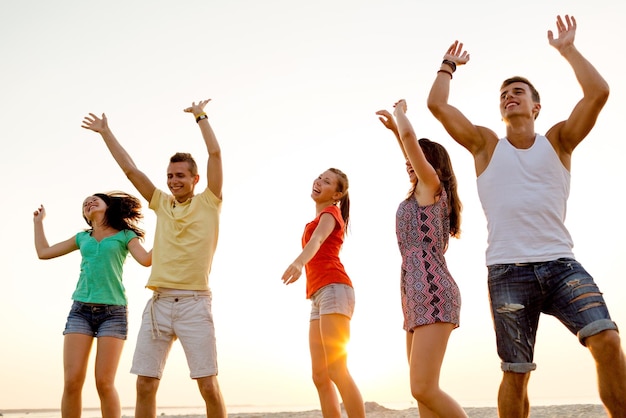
pixel 447 72
pixel 451 64
pixel 201 116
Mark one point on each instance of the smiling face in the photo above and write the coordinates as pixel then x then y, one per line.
pixel 93 206
pixel 325 188
pixel 181 181
pixel 517 99
pixel 411 172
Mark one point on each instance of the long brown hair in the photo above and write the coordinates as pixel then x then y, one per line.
pixel 439 158
pixel 123 212
pixel 344 202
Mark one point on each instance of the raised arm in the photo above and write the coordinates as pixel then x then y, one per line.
pixel 569 133
pixel 389 122
pixel 141 182
pixel 476 139
pixel 428 180
pixel 214 173
pixel 44 250
pixel 322 231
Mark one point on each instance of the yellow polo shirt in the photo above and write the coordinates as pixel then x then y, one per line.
pixel 184 241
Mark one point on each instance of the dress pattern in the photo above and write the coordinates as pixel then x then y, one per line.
pixel 429 293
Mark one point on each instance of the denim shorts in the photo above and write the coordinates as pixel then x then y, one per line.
pixel 174 314
pixel 334 298
pixel 97 320
pixel 519 293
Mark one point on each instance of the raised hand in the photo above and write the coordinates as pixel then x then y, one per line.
pixel 387 120
pixel 198 108
pixel 566 33
pixel 94 123
pixel 456 54
pixel 399 107
pixel 39 214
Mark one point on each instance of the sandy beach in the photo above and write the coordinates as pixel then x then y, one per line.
pixel 375 410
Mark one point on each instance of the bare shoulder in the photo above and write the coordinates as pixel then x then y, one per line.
pixel 483 151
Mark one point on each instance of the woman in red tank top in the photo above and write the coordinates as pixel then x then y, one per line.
pixel 331 294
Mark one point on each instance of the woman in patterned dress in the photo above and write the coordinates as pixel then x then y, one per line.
pixel 431 300
pixel 331 293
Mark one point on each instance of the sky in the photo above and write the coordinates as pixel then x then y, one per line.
pixel 294 86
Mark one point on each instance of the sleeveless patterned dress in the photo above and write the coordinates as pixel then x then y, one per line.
pixel 429 293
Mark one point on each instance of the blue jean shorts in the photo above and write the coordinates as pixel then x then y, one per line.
pixel 336 298
pixel 97 320
pixel 520 292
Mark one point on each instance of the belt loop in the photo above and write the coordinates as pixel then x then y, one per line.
pixel 195 295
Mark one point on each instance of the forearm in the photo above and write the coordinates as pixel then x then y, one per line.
pixel 592 83
pixel 309 251
pixel 399 139
pixel 439 92
pixel 41 243
pixel 120 155
pixel 141 182
pixel 214 164
pixel 210 140
pixel 405 129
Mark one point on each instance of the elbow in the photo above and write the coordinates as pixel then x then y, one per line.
pixel 215 153
pixel 434 107
pixel 604 92
pixel 147 260
pixel 43 256
pixel 130 172
pixel 407 135
pixel 599 94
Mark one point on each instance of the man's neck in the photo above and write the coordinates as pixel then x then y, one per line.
pixel 521 135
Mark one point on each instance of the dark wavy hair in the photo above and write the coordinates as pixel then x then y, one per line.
pixel 123 212
pixel 439 158
pixel 344 202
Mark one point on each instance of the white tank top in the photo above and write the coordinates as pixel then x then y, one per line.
pixel 524 196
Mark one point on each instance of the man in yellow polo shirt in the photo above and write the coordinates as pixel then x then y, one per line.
pixel 185 241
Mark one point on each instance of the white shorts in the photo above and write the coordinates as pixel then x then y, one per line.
pixel 172 314
pixel 334 298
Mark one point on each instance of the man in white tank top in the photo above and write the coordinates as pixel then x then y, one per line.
pixel 523 183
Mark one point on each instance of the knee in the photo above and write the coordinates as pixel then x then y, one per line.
pixel 321 378
pixel 422 391
pixel 146 386
pixel 337 372
pixel 209 388
pixel 104 385
pixel 605 345
pixel 73 385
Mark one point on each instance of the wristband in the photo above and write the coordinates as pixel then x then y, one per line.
pixel 447 72
pixel 201 116
pixel 451 64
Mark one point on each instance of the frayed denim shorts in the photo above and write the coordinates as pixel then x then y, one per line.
pixel 520 292
pixel 97 320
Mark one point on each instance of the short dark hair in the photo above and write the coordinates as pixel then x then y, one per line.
pixel 518 79
pixel 180 157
